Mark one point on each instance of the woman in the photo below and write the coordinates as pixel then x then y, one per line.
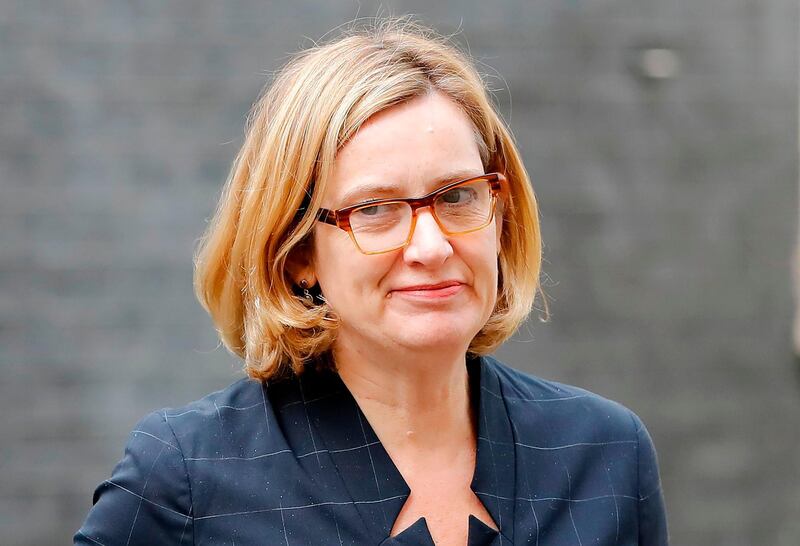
pixel 377 234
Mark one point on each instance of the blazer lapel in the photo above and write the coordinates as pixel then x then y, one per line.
pixel 365 471
pixel 494 481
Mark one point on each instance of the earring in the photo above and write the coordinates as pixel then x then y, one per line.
pixel 306 294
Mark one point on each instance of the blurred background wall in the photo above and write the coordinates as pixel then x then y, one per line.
pixel 661 138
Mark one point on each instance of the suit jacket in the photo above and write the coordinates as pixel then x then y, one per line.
pixel 296 462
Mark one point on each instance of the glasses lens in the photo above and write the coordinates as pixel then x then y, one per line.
pixel 381 227
pixel 465 208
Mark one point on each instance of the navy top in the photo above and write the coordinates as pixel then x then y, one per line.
pixel 296 462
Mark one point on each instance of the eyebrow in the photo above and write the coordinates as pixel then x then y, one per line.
pixel 354 195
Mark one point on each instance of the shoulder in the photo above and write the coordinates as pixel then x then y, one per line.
pixel 240 406
pixel 149 496
pixel 596 440
pixel 567 410
pixel 242 393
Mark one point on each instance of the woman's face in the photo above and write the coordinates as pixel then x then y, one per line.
pixel 385 301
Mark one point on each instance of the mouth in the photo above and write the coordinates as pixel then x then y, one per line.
pixel 430 291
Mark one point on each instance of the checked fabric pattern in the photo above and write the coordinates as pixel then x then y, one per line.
pixel 295 462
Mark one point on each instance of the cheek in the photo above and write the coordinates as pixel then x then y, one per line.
pixel 346 276
pixel 498 228
pixel 329 263
pixel 493 241
pixel 492 259
pixel 481 256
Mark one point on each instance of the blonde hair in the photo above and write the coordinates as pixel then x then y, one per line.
pixel 268 205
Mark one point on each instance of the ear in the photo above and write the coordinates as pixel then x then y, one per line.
pixel 299 266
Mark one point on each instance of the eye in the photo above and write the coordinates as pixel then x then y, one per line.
pixel 458 195
pixel 373 210
pixel 380 211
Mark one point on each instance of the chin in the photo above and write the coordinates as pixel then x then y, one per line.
pixel 435 332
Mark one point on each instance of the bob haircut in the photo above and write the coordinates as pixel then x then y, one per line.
pixel 268 205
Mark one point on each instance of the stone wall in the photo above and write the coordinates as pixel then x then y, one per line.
pixel 668 212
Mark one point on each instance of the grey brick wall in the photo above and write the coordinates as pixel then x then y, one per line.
pixel 668 213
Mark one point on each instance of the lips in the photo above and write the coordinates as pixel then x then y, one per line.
pixel 430 291
pixel 437 286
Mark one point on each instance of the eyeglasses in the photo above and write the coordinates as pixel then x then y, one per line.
pixel 382 225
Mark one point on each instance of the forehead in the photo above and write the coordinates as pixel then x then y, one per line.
pixel 408 149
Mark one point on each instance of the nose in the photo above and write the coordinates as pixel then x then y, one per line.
pixel 429 245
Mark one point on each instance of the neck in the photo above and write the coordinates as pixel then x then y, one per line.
pixel 413 401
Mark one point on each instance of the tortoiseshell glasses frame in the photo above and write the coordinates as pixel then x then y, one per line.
pixel 341 218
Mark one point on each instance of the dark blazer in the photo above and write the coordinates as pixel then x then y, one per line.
pixel 296 462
